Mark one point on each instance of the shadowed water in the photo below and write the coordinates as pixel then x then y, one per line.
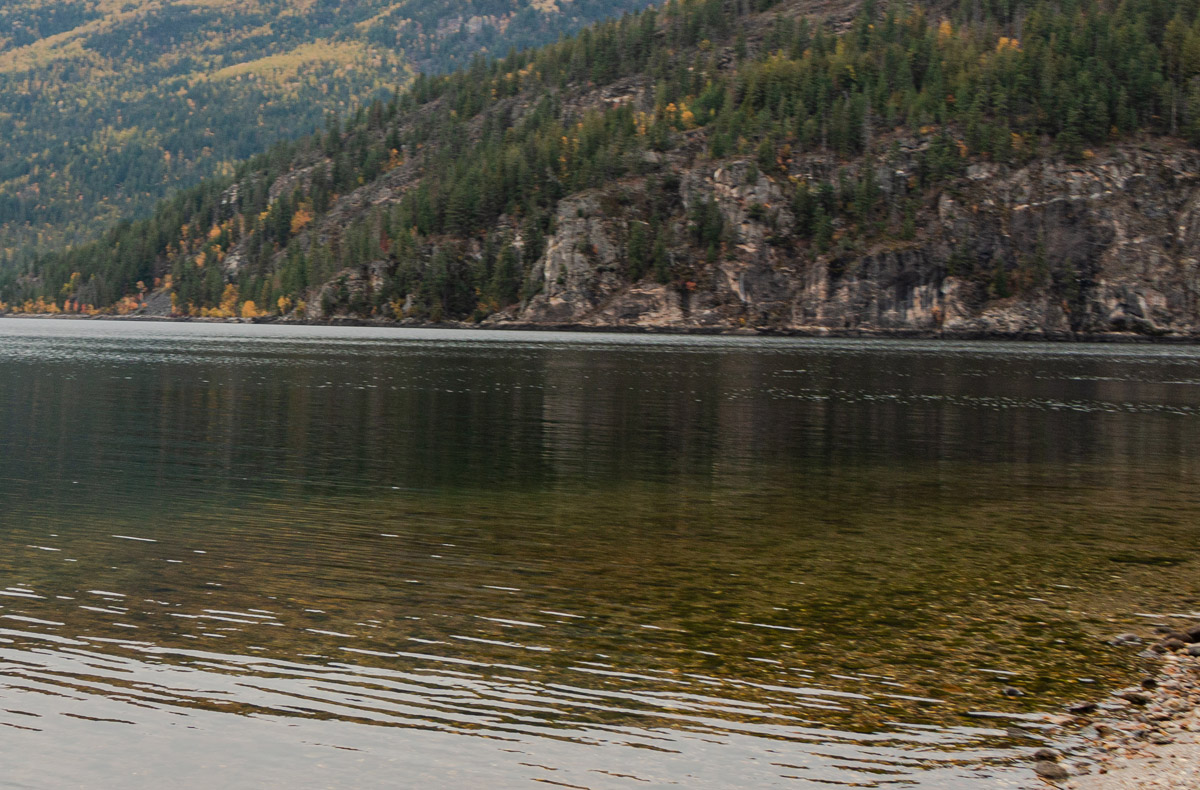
pixel 248 556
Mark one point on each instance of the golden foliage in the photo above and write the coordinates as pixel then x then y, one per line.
pixel 41 306
pixel 229 300
pixel 127 305
pixel 287 66
pixel 301 218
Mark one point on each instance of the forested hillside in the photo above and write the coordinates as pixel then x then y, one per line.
pixel 722 164
pixel 108 106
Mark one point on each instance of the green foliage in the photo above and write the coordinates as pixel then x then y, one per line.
pixel 638 249
pixel 501 142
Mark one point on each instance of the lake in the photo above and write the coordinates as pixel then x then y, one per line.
pixel 253 556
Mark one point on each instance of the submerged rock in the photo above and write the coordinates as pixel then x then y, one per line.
pixel 1135 695
pixel 1125 639
pixel 1051 770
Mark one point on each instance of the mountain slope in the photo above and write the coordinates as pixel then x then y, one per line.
pixel 107 106
pixel 1021 170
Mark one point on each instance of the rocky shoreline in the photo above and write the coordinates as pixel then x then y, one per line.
pixel 516 326
pixel 1146 736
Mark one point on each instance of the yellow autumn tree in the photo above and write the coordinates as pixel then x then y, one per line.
pixel 229 300
pixel 301 218
pixel 126 305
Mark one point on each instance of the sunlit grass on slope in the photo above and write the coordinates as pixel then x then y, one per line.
pixel 288 66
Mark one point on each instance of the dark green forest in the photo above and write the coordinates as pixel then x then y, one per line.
pixel 491 149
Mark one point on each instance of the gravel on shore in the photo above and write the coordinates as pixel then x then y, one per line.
pixel 1141 738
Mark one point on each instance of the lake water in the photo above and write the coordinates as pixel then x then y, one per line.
pixel 258 556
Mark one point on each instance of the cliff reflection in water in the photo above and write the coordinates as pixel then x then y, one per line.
pixel 719 562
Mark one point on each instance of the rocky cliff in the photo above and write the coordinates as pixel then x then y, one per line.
pixel 1108 245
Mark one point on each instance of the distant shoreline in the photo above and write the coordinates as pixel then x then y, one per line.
pixel 814 332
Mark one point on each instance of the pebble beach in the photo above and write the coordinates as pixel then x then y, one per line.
pixel 1145 737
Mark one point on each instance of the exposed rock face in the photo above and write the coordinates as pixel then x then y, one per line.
pixel 579 270
pixel 1050 249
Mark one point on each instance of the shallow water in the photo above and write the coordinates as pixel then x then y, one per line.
pixel 248 556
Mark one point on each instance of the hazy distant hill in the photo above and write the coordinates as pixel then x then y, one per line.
pixel 108 105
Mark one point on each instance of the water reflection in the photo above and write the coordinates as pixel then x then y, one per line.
pixel 492 559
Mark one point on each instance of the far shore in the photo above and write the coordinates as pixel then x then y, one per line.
pixel 733 331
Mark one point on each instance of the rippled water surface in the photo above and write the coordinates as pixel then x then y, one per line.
pixel 254 556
